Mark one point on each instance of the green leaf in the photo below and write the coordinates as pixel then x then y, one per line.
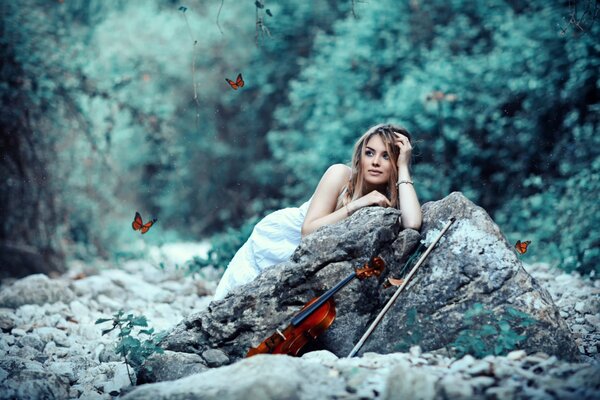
pixel 105 331
pixel 183 9
pixel 498 349
pixel 147 331
pixel 259 4
pixel 488 330
pixel 139 321
pixel 102 320
pixel 130 342
pixel 268 12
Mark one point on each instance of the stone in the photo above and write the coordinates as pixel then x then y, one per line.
pixel 479 383
pixel 479 367
pixel 31 341
pixel 18 332
pixel 406 382
pixel 170 365
pixel 118 381
pixel 593 320
pixel 49 334
pixel 258 377
pixel 35 289
pixel 415 351
pixel 63 369
pixel 473 264
pixel 580 329
pixel 7 322
pixel 215 358
pixel 516 355
pixel 323 356
pixel 462 364
pixel 455 387
pixel 29 380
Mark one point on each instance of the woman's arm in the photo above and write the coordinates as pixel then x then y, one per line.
pixel 409 203
pixel 322 206
pixel 407 197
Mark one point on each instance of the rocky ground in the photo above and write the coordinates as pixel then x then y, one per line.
pixel 50 346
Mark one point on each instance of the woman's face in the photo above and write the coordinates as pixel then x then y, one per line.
pixel 376 164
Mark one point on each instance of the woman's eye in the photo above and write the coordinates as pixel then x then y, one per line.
pixel 386 156
pixel 369 153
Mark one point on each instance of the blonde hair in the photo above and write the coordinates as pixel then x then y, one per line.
pixel 356 185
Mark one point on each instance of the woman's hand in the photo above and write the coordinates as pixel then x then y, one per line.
pixel 405 149
pixel 372 199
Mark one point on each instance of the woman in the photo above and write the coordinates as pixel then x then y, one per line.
pixel 379 177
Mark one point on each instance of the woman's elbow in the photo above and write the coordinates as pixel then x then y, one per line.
pixel 304 230
pixel 416 225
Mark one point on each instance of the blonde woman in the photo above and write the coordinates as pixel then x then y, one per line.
pixel 379 176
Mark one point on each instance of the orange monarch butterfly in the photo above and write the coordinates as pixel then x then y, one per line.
pixel 137 223
pixel 239 82
pixel 522 246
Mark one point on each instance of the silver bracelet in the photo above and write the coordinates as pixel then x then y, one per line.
pixel 401 182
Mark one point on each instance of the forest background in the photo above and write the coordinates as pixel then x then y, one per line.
pixel 112 107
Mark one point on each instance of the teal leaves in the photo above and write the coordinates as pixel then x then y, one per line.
pixel 133 348
pixel 486 332
pixel 414 331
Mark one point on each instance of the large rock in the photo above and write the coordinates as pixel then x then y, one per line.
pixel 473 269
pixel 35 289
pixel 321 375
pixel 473 264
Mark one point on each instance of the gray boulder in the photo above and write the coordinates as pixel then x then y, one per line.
pixel 35 289
pixel 473 271
pixel 473 278
pixel 25 379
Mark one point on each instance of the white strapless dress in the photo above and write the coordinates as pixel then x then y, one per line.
pixel 272 241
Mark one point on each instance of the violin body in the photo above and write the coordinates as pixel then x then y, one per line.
pixel 313 319
pixel 294 338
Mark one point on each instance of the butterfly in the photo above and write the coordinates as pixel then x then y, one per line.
pixel 137 223
pixel 522 246
pixel 239 82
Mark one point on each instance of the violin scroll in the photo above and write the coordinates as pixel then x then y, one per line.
pixel 374 267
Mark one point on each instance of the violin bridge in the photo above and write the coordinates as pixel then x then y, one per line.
pixel 281 334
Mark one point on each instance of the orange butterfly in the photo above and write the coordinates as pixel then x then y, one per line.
pixel 137 223
pixel 239 82
pixel 522 246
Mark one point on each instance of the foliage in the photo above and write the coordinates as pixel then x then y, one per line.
pixel 223 247
pixel 519 102
pixel 130 346
pixel 151 125
pixel 486 332
pixel 414 331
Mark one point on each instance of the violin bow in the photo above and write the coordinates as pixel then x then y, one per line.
pixel 395 296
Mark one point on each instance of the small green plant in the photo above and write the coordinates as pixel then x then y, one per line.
pixel 223 248
pixel 489 333
pixel 133 349
pixel 414 331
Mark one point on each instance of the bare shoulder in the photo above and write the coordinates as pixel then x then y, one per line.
pixel 339 172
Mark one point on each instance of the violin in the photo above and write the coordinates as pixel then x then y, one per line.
pixel 314 318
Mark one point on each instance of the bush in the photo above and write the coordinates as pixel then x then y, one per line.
pixel 488 333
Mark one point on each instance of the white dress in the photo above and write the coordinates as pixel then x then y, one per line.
pixel 273 241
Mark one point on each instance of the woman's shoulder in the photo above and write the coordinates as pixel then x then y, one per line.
pixel 340 170
pixel 336 177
